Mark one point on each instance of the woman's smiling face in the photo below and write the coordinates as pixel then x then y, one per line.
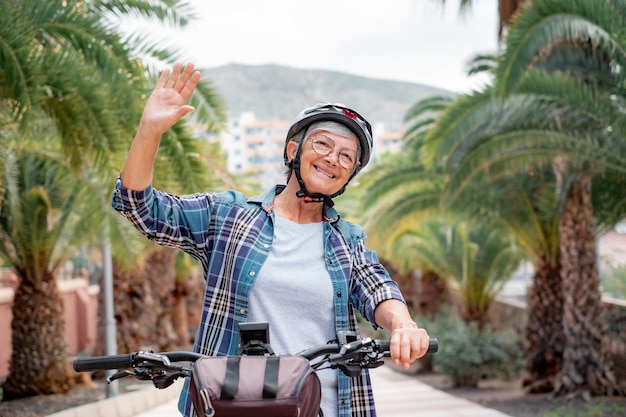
pixel 326 174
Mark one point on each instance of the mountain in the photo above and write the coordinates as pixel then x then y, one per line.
pixel 280 93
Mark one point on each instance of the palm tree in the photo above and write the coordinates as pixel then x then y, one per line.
pixel 453 242
pixel 575 58
pixel 475 253
pixel 542 111
pixel 39 231
pixel 68 81
pixel 477 257
pixel 52 57
pixel 77 94
pixel 423 289
pixel 523 203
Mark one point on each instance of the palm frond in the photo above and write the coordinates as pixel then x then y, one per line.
pixel 16 34
pixel 481 63
pixel 176 13
pixel 210 106
pixel 458 125
pixel 546 24
pixel 421 116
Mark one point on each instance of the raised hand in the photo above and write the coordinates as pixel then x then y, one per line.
pixel 168 102
pixel 166 105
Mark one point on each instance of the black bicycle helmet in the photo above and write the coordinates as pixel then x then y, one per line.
pixel 337 113
pixel 328 112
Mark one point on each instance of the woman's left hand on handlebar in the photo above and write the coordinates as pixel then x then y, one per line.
pixel 408 342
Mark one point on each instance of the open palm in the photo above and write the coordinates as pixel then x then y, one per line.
pixel 167 103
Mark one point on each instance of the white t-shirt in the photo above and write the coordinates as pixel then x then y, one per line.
pixel 293 292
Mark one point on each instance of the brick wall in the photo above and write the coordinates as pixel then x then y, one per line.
pixel 80 302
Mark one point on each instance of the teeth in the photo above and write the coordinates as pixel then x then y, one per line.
pixel 328 174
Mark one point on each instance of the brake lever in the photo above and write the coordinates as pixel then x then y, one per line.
pixel 119 375
pixel 168 379
pixel 351 349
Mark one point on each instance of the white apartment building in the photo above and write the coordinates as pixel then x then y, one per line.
pixel 255 147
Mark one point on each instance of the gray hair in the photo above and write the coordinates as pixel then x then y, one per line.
pixel 327 125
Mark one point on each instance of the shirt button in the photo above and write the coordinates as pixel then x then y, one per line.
pixel 266 246
pixel 242 311
pixel 339 294
pixel 252 273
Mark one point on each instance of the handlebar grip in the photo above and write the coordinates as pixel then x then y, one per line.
pixel 433 345
pixel 101 363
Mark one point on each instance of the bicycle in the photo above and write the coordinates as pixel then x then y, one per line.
pixel 283 385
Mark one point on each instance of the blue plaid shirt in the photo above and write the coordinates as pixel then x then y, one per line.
pixel 231 236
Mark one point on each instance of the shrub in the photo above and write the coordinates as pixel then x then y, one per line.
pixel 467 353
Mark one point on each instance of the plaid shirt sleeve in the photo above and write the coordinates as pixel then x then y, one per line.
pixel 371 283
pixel 182 221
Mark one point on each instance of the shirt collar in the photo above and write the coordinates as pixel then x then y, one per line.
pixel 266 200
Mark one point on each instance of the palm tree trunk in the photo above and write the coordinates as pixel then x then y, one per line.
pixel 433 294
pixel 473 312
pixel 39 358
pixel 180 316
pixel 586 369
pixel 143 303
pixel 544 343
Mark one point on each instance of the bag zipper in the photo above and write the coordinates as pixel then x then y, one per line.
pixel 208 409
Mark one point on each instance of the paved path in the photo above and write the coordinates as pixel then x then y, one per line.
pixel 401 395
pixel 397 395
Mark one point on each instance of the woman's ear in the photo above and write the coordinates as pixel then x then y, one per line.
pixel 292 149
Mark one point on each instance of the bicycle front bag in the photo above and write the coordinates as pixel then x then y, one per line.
pixel 255 385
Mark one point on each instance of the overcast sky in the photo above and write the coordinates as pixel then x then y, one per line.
pixel 404 40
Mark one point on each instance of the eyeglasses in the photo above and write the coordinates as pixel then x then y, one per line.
pixel 323 145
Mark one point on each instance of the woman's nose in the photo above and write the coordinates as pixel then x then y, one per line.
pixel 333 156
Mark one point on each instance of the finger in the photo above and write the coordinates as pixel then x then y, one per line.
pixel 183 110
pixel 163 78
pixel 405 351
pixel 424 345
pixel 417 349
pixel 175 74
pixel 394 348
pixel 190 86
pixel 184 77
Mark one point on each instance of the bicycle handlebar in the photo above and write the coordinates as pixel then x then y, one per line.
pixel 433 345
pixel 379 346
pixel 336 351
pixel 98 363
pixel 132 360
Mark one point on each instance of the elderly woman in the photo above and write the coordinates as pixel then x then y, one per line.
pixel 284 257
